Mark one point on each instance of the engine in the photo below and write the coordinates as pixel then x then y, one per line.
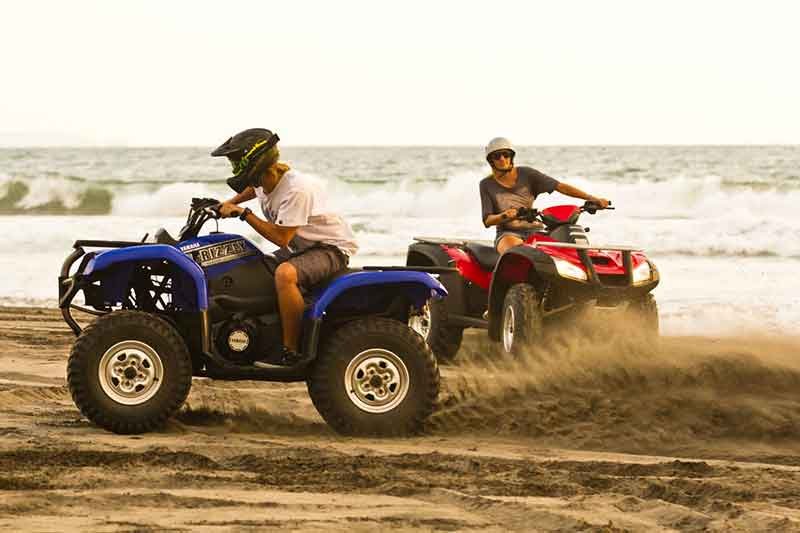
pixel 241 340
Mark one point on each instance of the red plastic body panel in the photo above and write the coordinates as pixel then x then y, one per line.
pixel 561 212
pixel 605 262
pixel 469 267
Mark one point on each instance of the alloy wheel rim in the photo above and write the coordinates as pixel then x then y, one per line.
pixel 376 380
pixel 508 328
pixel 130 372
pixel 421 323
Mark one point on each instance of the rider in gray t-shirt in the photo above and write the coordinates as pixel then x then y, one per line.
pixel 508 188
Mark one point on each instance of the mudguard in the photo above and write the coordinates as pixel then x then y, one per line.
pixel 418 285
pixel 517 265
pixel 149 252
pixel 423 253
pixel 431 253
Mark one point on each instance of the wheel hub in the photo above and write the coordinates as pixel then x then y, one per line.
pixel 421 323
pixel 376 380
pixel 130 372
pixel 508 328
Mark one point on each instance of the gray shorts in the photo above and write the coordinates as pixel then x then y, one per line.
pixel 317 264
pixel 521 233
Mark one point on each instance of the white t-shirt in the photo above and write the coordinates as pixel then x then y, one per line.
pixel 297 201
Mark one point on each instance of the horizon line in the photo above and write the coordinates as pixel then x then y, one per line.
pixel 314 145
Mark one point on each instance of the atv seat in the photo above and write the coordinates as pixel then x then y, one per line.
pixel 486 256
pixel 319 287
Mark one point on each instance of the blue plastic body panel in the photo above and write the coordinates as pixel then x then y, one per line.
pixel 212 238
pixel 421 285
pixel 150 252
pixel 339 286
pixel 215 271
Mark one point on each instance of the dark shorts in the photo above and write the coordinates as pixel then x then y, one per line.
pixel 317 264
pixel 522 234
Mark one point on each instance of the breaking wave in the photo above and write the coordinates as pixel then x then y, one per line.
pixel 59 197
pixel 681 217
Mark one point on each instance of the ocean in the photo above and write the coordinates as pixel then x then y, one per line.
pixel 721 222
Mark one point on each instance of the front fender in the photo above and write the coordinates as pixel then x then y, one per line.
pixel 152 252
pixel 518 265
pixel 418 285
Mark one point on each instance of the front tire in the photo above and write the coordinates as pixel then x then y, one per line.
pixel 431 324
pixel 645 311
pixel 375 377
pixel 521 326
pixel 129 372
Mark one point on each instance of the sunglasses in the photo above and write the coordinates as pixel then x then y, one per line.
pixel 496 156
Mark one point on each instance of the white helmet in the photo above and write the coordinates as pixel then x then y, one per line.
pixel 499 143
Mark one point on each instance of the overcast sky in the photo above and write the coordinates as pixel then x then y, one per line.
pixel 405 72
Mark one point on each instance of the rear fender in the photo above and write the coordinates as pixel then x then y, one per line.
pixel 368 292
pixel 521 264
pixel 114 268
pixel 429 254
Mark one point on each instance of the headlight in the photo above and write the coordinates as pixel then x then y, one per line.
pixel 568 270
pixel 642 273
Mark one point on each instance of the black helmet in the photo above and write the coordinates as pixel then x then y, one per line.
pixel 245 151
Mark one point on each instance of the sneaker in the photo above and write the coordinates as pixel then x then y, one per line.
pixel 279 356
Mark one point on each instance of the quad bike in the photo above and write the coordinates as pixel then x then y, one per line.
pixel 207 306
pixel 555 273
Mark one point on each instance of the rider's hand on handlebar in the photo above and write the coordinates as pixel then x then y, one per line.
pixel 602 203
pixel 228 210
pixel 509 214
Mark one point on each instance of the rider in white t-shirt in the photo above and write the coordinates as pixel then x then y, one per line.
pixel 314 242
pixel 298 201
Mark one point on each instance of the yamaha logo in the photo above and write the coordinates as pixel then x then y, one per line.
pixel 238 340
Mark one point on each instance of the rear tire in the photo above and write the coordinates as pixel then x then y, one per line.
pixel 431 324
pixel 129 372
pixel 521 320
pixel 375 377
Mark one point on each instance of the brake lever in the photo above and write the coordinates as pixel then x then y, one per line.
pixel 213 212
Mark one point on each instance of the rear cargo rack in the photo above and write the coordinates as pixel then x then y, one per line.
pixel 428 269
pixel 455 242
pixel 106 244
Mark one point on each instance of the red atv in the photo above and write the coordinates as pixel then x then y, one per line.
pixel 554 273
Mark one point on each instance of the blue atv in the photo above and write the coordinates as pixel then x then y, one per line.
pixel 207 306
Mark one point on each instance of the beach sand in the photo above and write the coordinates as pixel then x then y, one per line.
pixel 691 434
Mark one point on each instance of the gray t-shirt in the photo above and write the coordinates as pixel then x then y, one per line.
pixel 530 183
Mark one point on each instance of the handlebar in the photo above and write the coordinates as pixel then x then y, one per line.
pixel 200 212
pixel 528 214
pixel 212 211
pixel 531 214
pixel 592 208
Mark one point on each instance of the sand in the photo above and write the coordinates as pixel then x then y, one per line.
pixel 609 433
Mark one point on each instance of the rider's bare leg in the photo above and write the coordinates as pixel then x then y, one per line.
pixel 290 303
pixel 508 241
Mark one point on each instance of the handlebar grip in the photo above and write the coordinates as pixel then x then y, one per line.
pixel 212 210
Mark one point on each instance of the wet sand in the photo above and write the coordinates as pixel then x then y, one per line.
pixel 691 434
